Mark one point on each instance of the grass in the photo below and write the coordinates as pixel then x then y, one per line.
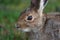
pixel 9 17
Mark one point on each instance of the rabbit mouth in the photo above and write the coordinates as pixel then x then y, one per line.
pixel 24 29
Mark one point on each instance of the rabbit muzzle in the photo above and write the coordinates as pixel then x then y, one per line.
pixel 22 29
pixel 27 29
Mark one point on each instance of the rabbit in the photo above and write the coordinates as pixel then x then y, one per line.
pixel 30 16
pixel 38 25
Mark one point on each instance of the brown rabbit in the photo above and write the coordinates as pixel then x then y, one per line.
pixel 39 26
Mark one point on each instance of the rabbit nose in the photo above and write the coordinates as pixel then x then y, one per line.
pixel 17 26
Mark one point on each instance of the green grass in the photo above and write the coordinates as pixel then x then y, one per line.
pixel 8 19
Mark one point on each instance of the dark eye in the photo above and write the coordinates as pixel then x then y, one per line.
pixel 29 18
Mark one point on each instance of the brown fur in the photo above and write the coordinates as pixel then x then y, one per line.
pixel 46 27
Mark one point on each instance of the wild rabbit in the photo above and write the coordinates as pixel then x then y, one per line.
pixel 39 26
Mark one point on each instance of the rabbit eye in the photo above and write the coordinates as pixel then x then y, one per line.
pixel 29 18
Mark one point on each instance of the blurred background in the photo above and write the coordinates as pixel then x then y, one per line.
pixel 9 13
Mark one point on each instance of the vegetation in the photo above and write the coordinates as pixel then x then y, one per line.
pixel 9 13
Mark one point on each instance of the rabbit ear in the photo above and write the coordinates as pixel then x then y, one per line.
pixel 35 4
pixel 42 5
pixel 45 3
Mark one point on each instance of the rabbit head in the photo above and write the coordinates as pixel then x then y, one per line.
pixel 30 19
